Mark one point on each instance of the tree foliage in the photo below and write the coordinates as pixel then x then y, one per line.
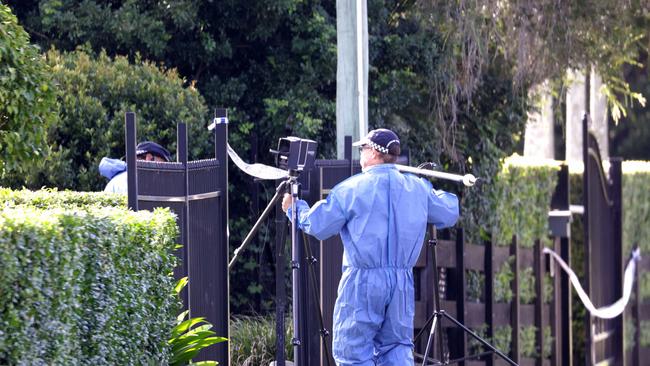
pixel 93 96
pixel 273 64
pixel 540 39
pixel 27 104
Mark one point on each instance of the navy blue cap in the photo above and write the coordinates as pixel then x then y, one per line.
pixel 153 148
pixel 383 140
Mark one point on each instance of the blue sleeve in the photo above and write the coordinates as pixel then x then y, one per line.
pixel 323 220
pixel 443 208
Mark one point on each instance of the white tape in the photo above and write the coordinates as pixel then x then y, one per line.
pixel 605 312
pixel 217 121
pixel 257 170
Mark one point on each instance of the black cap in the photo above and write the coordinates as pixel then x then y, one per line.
pixel 153 148
pixel 383 140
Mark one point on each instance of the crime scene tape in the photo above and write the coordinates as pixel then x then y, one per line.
pixel 257 170
pixel 609 311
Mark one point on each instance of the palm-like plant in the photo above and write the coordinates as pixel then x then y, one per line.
pixel 190 336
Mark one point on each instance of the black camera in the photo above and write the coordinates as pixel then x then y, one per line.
pixel 295 154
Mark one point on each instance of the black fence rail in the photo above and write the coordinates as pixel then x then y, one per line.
pixel 455 258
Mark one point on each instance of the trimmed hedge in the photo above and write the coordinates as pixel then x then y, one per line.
pixel 53 198
pixel 636 205
pixel 522 196
pixel 84 286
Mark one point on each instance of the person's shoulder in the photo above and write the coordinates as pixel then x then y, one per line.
pixel 352 182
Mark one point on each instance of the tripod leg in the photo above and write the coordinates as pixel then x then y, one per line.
pixel 278 192
pixel 431 337
pixel 481 340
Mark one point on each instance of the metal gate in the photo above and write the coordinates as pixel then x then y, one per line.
pixel 603 251
pixel 197 192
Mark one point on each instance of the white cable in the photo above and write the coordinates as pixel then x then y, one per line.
pixel 610 311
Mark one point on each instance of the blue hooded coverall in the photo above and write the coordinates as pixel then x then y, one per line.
pixel 381 215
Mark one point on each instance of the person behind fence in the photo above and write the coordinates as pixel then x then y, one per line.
pixel 381 215
pixel 115 169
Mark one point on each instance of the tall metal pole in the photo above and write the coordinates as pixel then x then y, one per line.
pixel 295 271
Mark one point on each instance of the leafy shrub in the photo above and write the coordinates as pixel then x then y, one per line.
pixel 630 332
pixel 252 340
pixel 527 281
pixel 503 338
pixel 502 281
pixel 85 286
pixel 645 333
pixel 190 336
pixel 636 205
pixel 475 285
pixel 473 345
pixel 522 197
pixel 528 341
pixel 27 102
pixel 94 93
pixel 52 198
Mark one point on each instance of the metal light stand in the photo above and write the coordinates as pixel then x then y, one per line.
pixel 294 186
pixel 438 313
pixel 296 253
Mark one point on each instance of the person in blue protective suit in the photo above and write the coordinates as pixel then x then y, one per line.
pixel 381 215
pixel 115 169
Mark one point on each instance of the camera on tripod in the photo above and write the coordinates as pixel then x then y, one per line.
pixel 295 154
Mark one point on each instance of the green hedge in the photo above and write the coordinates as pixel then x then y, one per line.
pixel 636 205
pixel 84 286
pixel 522 197
pixel 52 198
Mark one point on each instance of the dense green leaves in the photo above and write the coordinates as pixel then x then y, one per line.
pixel 85 285
pixel 253 340
pixel 94 94
pixel 27 105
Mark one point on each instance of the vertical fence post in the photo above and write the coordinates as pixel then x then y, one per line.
pixel 589 346
pixel 562 353
pixel 514 319
pixel 539 299
pixel 460 300
pixel 181 156
pixel 131 174
pixel 222 328
pixel 616 175
pixel 637 318
pixel 489 297
pixel 556 311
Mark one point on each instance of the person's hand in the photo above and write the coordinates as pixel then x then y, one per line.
pixel 286 202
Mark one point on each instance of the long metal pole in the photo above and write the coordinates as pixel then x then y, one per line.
pixel 467 179
pixel 295 267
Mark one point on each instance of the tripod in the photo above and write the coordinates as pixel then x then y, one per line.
pixel 290 184
pixel 439 314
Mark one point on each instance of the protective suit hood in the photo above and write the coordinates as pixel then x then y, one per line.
pixel 111 167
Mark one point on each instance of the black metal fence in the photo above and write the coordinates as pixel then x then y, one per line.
pixel 197 192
